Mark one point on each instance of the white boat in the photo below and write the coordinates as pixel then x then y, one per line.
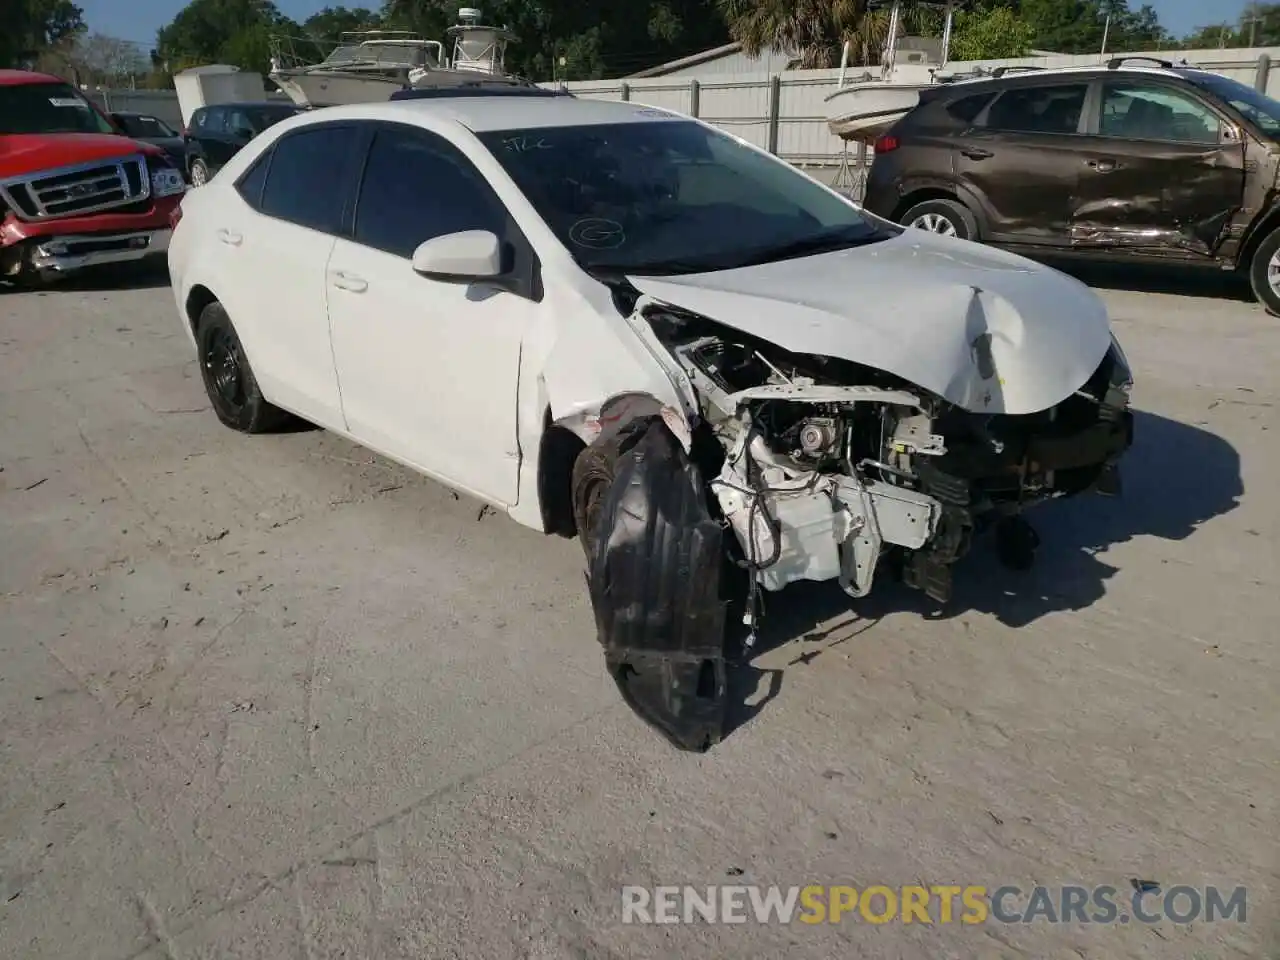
pixel 864 108
pixel 371 65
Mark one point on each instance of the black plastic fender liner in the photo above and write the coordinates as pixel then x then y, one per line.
pixel 654 575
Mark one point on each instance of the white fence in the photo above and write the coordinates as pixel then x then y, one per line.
pixel 786 113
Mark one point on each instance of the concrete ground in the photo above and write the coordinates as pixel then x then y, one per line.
pixel 274 697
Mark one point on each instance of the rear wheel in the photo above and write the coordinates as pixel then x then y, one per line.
pixel 228 379
pixel 947 218
pixel 1264 273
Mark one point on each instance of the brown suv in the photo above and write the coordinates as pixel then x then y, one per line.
pixel 1120 162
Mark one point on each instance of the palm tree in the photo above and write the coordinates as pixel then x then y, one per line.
pixel 816 30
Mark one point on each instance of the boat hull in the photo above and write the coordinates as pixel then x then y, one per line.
pixel 863 111
pixel 324 89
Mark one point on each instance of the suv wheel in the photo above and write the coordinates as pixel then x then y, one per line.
pixel 199 173
pixel 1264 273
pixel 947 218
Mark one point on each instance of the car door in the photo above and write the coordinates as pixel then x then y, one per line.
pixel 273 250
pixel 429 369
pixel 1160 169
pixel 1019 160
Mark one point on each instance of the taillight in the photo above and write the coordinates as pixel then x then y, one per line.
pixel 887 143
pixel 175 215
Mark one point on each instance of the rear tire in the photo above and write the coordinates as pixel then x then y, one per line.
pixel 946 218
pixel 1264 273
pixel 228 379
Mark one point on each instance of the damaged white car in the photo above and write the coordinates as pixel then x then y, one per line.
pixel 619 323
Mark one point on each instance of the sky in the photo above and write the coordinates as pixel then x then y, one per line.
pixel 138 20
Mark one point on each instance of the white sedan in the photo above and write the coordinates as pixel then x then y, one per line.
pixel 620 323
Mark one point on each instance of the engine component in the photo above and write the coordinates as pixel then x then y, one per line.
pixel 818 437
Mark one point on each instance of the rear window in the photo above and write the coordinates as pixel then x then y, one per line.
pixel 262 117
pixel 966 109
pixel 137 125
pixel 1049 109
pixel 309 177
pixel 48 108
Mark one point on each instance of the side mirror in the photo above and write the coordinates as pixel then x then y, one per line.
pixel 1230 134
pixel 469 255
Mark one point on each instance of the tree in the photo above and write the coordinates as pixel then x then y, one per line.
pixel 814 30
pixel 223 31
pixel 993 33
pixel 106 61
pixel 594 38
pixel 31 28
pixel 331 22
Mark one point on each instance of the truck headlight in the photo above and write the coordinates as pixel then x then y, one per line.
pixel 166 179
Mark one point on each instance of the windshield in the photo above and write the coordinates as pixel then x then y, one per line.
pixel 1254 106
pixel 672 196
pixel 136 125
pixel 48 108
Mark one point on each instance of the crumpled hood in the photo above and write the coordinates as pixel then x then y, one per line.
pixel 986 330
pixel 25 153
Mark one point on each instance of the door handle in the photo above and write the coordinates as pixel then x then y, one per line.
pixel 976 153
pixel 230 237
pixel 349 281
pixel 1102 166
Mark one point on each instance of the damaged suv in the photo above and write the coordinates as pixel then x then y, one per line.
pixel 713 370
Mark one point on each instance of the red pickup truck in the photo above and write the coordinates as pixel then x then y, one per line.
pixel 75 191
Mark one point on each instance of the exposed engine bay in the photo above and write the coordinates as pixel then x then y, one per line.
pixel 823 469
pixel 832 469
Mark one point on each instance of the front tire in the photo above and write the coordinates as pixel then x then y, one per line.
pixel 1264 273
pixel 199 172
pixel 946 218
pixel 228 379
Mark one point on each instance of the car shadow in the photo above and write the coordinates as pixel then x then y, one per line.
pixel 1176 478
pixel 1151 278
pixel 104 279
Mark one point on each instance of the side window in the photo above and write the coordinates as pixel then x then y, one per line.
pixel 418 186
pixel 308 178
pixel 254 179
pixel 197 119
pixel 1050 109
pixel 966 109
pixel 214 121
pixel 1148 112
pixel 238 122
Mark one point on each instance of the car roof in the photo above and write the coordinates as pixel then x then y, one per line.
pixel 1088 71
pixel 13 78
pixel 274 104
pixel 481 114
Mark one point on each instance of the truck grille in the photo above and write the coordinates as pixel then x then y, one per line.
pixel 87 188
